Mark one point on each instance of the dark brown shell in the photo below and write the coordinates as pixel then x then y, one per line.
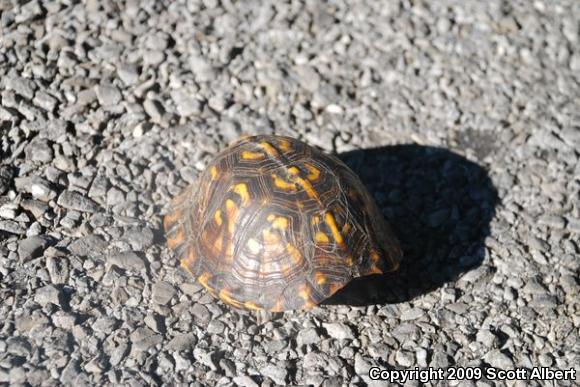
pixel 276 224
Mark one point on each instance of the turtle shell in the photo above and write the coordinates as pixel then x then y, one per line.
pixel 275 224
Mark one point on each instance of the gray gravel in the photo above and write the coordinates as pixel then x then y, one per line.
pixel 109 109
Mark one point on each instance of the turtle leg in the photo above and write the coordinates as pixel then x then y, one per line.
pixel 263 316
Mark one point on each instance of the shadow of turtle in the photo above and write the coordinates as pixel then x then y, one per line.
pixel 439 205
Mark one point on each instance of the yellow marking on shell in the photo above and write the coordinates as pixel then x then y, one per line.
pixel 310 191
pixel 278 306
pixel 254 246
pixel 375 256
pixel 269 149
pixel 232 214
pixel 176 239
pixel 320 278
pixel 305 292
pixel 286 270
pixel 183 264
pixel 247 155
pixel 217 217
pixel 204 279
pixel 218 244
pixel 294 253
pixel 315 220
pixel 271 217
pixel 305 184
pixel 284 145
pixel 375 270
pixel 229 249
pixel 251 305
pixel 293 170
pixel 242 190
pixel 321 237
pixel 270 238
pixel 283 184
pixel 191 257
pixel 331 222
pixel 346 228
pixel 349 261
pixel 226 296
pixel 313 172
pixel 171 218
pixel 214 172
pixel 280 223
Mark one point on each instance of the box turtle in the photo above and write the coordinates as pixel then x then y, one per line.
pixel 274 224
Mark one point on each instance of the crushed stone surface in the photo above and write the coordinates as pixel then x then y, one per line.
pixel 461 117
